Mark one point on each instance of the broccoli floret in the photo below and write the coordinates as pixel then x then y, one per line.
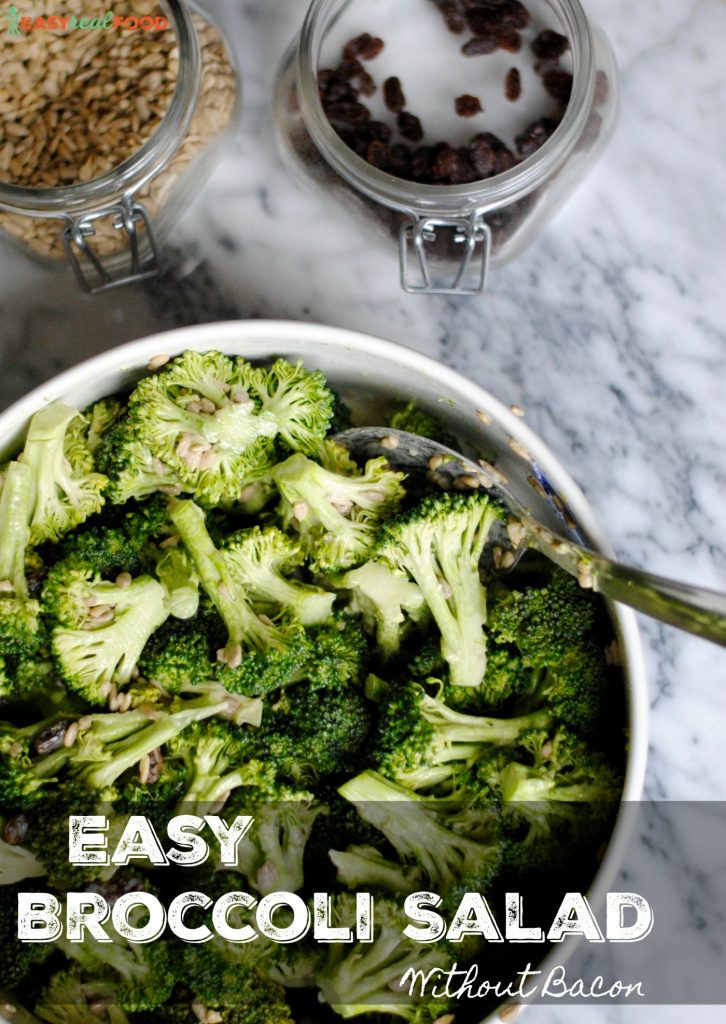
pixel 552 627
pixel 365 978
pixel 421 742
pixel 439 544
pixel 197 416
pixel 276 641
pixel 27 769
pixel 556 799
pixel 331 655
pixel 19 627
pixel 99 418
pixel 271 855
pixel 337 656
pixel 47 834
pixel 177 655
pixel 416 421
pixel 113 543
pixel 342 418
pixel 18 960
pixel 429 663
pixel 262 561
pixel 337 459
pixel 311 734
pixel 506 674
pixel 72 998
pixel 299 401
pixel 387 602
pixel 132 470
pixel 65 491
pixel 110 744
pixel 16 862
pixel 337 517
pixel 180 581
pixel 217 762
pixel 564 772
pixel 547 623
pixel 239 993
pixel 100 628
pixel 447 841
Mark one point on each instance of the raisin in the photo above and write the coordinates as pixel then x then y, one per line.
pixel 365 47
pixel 379 131
pixel 602 91
pixel 51 738
pixel 513 85
pixel 509 39
pixel 453 167
pixel 535 136
pixel 483 21
pixel 115 888
pixel 337 88
pixel 446 165
pixel 466 172
pixel 378 155
pixel 36 577
pixel 514 14
pixel 347 112
pixel 421 164
pixel 490 156
pixel 483 155
pixel 410 126
pixel 366 84
pixel 479 46
pixel 400 159
pixel 550 45
pixel 393 95
pixel 542 67
pixel 15 830
pixel 488 18
pixel 156 763
pixel 559 85
pixel 325 76
pixel 350 69
pixel 467 106
pixel 506 160
pixel 453 16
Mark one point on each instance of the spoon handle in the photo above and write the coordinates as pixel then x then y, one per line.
pixel 694 609
pixel 683 605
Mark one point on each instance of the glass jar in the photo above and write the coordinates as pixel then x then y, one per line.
pixel 109 222
pixel 450 234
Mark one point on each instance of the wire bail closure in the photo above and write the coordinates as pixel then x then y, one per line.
pixel 429 246
pixel 92 274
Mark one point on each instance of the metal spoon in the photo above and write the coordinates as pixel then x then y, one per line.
pixel 694 609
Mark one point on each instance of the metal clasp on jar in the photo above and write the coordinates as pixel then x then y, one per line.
pixel 445 255
pixel 93 275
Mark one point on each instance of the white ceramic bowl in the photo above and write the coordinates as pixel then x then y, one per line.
pixel 372 374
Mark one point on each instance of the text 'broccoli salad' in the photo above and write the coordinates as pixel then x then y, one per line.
pixel 205 602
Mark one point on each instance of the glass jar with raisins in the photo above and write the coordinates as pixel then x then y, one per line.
pixel 460 125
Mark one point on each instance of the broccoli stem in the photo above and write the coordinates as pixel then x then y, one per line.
pixel 459 728
pixel 240 620
pixel 15 510
pixel 526 785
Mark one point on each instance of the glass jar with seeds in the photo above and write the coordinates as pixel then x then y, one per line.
pixel 109 122
pixel 459 125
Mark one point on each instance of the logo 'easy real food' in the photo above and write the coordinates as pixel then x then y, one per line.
pixel 19 24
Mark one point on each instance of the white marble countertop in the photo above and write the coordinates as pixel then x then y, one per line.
pixel 609 331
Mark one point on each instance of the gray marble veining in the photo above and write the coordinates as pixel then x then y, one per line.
pixel 609 332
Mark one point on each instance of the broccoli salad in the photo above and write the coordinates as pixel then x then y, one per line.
pixel 205 602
